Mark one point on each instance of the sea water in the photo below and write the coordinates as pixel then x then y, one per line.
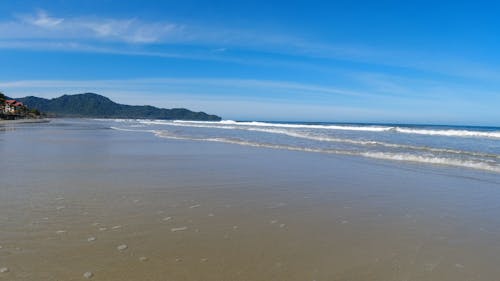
pixel 469 147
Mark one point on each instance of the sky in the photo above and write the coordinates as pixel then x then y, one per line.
pixel 428 62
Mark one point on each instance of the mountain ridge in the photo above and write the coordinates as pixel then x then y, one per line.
pixel 98 106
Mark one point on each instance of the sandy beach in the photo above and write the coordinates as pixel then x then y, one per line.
pixel 81 201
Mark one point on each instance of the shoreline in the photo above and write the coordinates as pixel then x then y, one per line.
pixel 21 121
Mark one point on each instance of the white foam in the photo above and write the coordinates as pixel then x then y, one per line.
pixel 432 160
pixel 326 138
pixel 368 128
pixel 450 133
pixel 378 155
pixel 482 164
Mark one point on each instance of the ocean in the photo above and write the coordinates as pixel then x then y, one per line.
pixel 458 146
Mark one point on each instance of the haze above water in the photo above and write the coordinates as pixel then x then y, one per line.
pixel 163 200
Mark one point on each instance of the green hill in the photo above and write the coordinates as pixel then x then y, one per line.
pixel 97 106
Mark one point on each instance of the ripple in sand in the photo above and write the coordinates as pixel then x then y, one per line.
pixel 61 231
pixel 210 215
pixel 273 221
pixel 282 225
pixel 102 229
pixel 122 247
pixel 60 208
pixel 176 229
pixel 235 227
pixel 204 260
pixel 91 239
pixel 143 259
pixel 4 270
pixel 166 218
pixel 88 275
pixel 194 206
pixel 116 227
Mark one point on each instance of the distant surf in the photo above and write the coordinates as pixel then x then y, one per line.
pixel 466 147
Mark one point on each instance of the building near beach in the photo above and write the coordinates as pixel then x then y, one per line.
pixel 11 106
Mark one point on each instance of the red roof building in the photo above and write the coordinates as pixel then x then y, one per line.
pixel 11 106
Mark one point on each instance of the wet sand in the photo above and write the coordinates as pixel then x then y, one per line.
pixel 20 121
pixel 74 193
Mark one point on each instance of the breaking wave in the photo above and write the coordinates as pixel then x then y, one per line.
pixel 424 155
pixel 377 155
pixel 365 128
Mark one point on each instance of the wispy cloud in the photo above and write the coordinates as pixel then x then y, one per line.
pixel 42 19
pixel 137 37
pixel 388 97
pixel 42 25
pixel 231 98
pixel 225 87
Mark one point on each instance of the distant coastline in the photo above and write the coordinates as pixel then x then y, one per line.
pixel 90 105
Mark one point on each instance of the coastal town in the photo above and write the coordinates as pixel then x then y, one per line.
pixel 11 109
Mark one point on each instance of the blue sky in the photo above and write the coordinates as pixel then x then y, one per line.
pixel 348 61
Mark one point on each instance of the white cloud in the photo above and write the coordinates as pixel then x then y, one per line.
pixel 196 85
pixel 42 19
pixel 41 25
pixel 43 31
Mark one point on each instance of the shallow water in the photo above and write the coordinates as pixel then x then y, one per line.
pixel 459 146
pixel 235 212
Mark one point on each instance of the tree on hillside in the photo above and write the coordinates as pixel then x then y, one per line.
pixel 2 97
